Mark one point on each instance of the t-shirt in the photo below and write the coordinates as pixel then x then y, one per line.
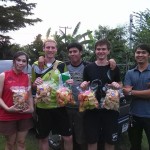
pixel 12 79
pixel 76 73
pixel 102 75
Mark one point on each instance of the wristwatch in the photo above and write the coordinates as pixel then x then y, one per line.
pixel 130 93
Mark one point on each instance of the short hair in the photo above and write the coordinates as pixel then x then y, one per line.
pixel 143 47
pixel 20 53
pixel 49 40
pixel 103 42
pixel 76 45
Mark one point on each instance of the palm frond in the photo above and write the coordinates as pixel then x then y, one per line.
pixel 76 29
pixel 48 33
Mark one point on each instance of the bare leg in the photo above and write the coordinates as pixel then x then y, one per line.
pixel 68 142
pixel 20 143
pixel 10 142
pixel 109 146
pixel 92 146
pixel 43 144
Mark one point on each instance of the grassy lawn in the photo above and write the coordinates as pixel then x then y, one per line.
pixel 32 144
pixel 124 143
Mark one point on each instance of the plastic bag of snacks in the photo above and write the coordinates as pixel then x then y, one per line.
pixel 20 96
pixel 87 100
pixel 43 92
pixel 112 99
pixel 64 96
pixel 64 93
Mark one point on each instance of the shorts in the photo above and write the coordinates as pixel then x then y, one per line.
pixel 76 121
pixel 101 124
pixel 55 120
pixel 11 127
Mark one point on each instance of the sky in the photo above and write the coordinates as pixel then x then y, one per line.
pixel 67 13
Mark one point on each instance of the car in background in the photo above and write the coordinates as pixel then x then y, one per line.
pixel 8 64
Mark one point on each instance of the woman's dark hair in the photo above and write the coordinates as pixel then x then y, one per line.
pixel 19 53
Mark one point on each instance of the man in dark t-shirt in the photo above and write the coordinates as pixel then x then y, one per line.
pixel 76 67
pixel 97 121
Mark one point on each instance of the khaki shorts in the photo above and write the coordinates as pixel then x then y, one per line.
pixel 11 127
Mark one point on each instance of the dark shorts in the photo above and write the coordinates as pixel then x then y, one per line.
pixel 11 127
pixel 76 121
pixel 101 124
pixel 55 120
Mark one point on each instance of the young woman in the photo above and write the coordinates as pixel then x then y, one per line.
pixel 16 103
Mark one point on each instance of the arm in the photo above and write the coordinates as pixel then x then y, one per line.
pixel 116 79
pixel 30 100
pixel 141 94
pixel 137 93
pixel 127 89
pixel 116 85
pixel 35 81
pixel 112 63
pixel 2 103
pixel 84 85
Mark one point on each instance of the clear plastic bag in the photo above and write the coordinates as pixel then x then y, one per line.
pixel 20 96
pixel 64 95
pixel 87 100
pixel 112 99
pixel 43 92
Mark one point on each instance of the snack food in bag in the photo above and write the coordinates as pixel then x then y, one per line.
pixel 64 96
pixel 43 93
pixel 87 100
pixel 20 96
pixel 111 100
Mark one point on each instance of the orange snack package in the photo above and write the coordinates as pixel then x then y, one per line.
pixel 20 97
pixel 87 100
pixel 64 96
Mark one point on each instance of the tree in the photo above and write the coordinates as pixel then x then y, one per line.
pixel 118 39
pixel 15 15
pixel 35 49
pixel 141 27
pixel 64 39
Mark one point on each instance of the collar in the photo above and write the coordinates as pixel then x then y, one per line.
pixel 136 68
pixel 77 65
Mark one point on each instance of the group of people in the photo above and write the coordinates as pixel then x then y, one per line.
pixel 79 130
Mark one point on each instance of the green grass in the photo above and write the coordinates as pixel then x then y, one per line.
pixel 124 143
pixel 32 144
